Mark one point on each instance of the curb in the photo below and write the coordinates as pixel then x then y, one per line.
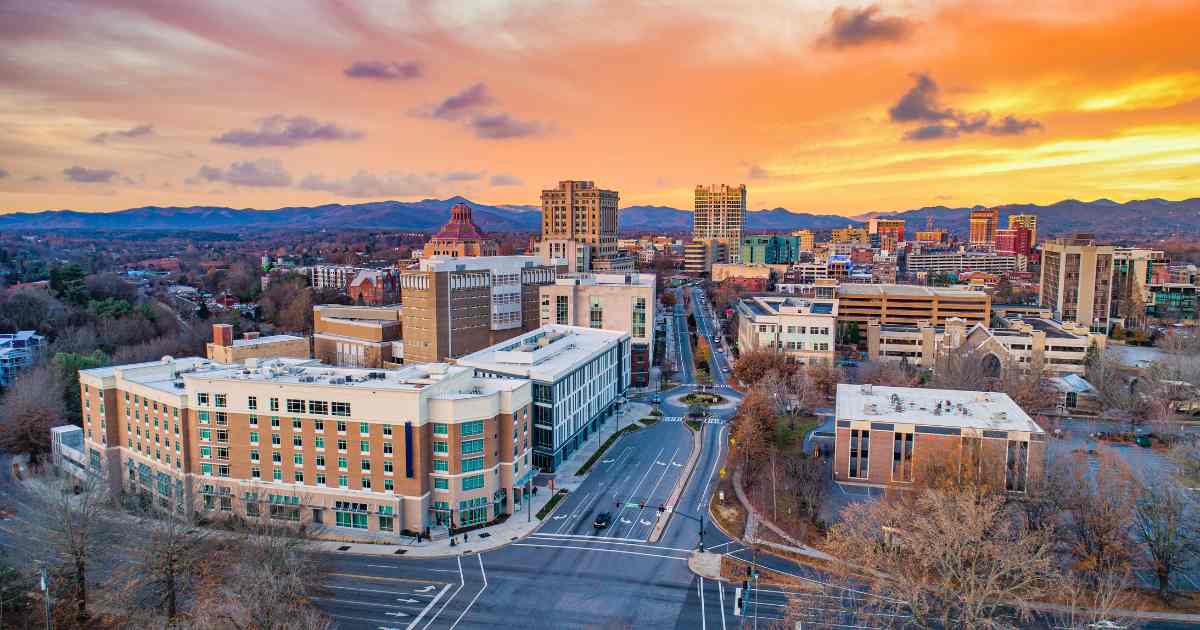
pixel 661 526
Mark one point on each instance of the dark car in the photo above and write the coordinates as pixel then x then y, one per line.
pixel 603 519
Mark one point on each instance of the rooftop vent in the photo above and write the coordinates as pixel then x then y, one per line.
pixel 867 389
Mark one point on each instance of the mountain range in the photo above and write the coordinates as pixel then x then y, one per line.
pixel 1148 217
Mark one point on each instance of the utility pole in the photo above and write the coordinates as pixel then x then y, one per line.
pixel 45 583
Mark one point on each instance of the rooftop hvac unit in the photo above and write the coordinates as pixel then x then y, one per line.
pixel 867 389
pixel 178 384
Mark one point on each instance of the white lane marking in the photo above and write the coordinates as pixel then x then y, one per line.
pixel 560 517
pixel 645 522
pixel 381 566
pixel 720 545
pixel 443 570
pixel 713 471
pixel 721 599
pixel 396 614
pixel 632 553
pixel 424 589
pixel 655 488
pixel 473 599
pixel 588 508
pixel 428 607
pixel 607 461
pixel 358 603
pixel 605 541
pixel 641 481
pixel 461 582
pixel 582 537
pixel 626 521
pixel 364 590
pixel 703 614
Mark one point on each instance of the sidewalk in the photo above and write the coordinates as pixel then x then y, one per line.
pixel 516 527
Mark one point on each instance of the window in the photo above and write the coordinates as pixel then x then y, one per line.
pixel 318 406
pixel 364 446
pixel 319 442
pixel 201 398
pixel 276 457
pixel 222 419
pixel 343 481
pixel 295 406
pixel 364 428
pixel 253 420
pixel 639 317
pixel 388 485
pixel 388 467
pixel 561 308
pixel 297 424
pixel 254 437
pixel 470 447
pixel 472 511
pixel 341 426
pixel 255 473
pixel 275 440
pixel 206 469
pixel 274 422
pixel 441 483
pixel 474 482
pixel 277 474
pixel 318 425
pixel 205 434
pixel 1016 470
pixel 440 448
pixel 441 465
pixel 320 479
pixel 340 408
pixel 202 416
pixel 472 428
pixel 206 452
pixel 473 464
pixel 252 402
pixel 350 514
pixel 320 461
pixel 366 483
pixel 298 459
pixel 342 463
pixel 274 404
pixel 342 445
pixel 365 464
pixel 859 462
pixel 298 476
pixel 254 455
pixel 595 313
pixel 387 430
pixel 219 400
pixel 902 459
pixel 440 428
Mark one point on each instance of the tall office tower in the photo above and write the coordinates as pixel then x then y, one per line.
pixel 1014 240
pixel 1133 273
pixel 579 224
pixel 720 214
pixel 1028 221
pixel 1077 279
pixel 983 226
pixel 886 228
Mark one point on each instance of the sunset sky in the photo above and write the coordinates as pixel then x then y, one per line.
pixel 815 106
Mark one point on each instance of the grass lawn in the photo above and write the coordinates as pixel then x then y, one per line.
pixel 546 509
pixel 790 431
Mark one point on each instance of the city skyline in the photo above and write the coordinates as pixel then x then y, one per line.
pixel 115 106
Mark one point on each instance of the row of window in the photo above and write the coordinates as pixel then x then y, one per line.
pixel 294 405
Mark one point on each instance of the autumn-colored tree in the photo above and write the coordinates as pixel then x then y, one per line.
pixel 28 410
pixel 754 428
pixel 752 365
pixel 667 298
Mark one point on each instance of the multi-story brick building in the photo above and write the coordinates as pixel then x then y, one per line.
pixel 624 302
pixel 900 436
pixel 375 287
pixel 297 441
pixel 456 306
pixel 336 277
pixel 802 329
pixel 358 336
pixel 579 378
pixel 225 349
pixel 1027 221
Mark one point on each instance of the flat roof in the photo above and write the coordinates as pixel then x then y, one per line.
pixel 915 405
pixel 263 341
pixel 476 263
pixel 906 289
pixel 770 305
pixel 546 354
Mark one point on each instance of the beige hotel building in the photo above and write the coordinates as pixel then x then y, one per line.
pixel 295 440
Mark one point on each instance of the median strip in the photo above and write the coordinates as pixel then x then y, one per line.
pixel 583 470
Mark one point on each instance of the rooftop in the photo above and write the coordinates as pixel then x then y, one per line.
pixel 503 264
pixel 546 354
pixel 263 341
pixel 905 289
pixel 607 279
pixel 771 305
pixel 932 407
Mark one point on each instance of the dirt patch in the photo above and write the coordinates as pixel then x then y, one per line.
pixel 734 570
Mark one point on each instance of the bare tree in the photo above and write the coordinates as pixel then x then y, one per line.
pixel 28 410
pixel 960 370
pixel 807 484
pixel 888 374
pixel 953 557
pixel 73 513
pixel 1186 457
pixel 168 557
pixel 1092 599
pixel 1101 503
pixel 1164 523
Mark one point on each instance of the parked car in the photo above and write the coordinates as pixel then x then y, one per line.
pixel 603 519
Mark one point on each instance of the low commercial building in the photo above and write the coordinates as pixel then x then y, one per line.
pixel 624 302
pixel 901 436
pixel 225 349
pixel 910 304
pixel 358 336
pixel 18 351
pixel 579 376
pixel 1173 301
pixel 336 277
pixel 802 329
pixel 335 450
pixel 756 277
pixel 1030 343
